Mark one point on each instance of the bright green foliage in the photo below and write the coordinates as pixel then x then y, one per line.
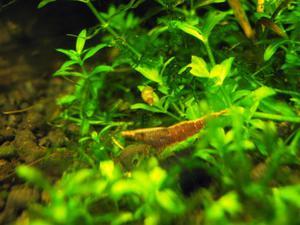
pixel 218 71
pixel 75 198
pixel 197 60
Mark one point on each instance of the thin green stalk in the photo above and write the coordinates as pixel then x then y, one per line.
pixel 213 63
pixel 210 54
pixel 172 115
pixel 177 109
pixel 287 92
pixel 292 119
pixel 99 122
pixel 110 30
pixel 86 156
pixel 227 100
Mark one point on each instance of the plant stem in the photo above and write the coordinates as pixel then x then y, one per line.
pixel 227 100
pixel 177 109
pixel 171 115
pixel 287 92
pixel 86 156
pixel 209 52
pixel 291 119
pixel 110 30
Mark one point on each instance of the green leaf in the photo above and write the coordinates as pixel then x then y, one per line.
pixel 70 53
pixel 221 71
pixel 168 200
pixel 67 65
pixel 272 48
pixel 66 100
pixel 84 127
pixel 67 73
pixel 33 176
pixel 157 176
pixel 80 41
pixel 262 92
pixel 190 29
pixel 151 71
pixel 290 194
pixel 212 20
pixel 123 187
pixel 193 110
pixel 122 218
pixel 102 69
pixel 145 107
pixel 107 169
pixel 199 67
pixel 90 107
pixel 206 154
pixel 92 51
pixel 240 94
pixel 44 3
pixel 228 203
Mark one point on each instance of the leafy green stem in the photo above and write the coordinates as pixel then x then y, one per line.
pixel 226 97
pixel 177 109
pixel 281 91
pixel 210 54
pixel 172 115
pixel 269 116
pixel 110 30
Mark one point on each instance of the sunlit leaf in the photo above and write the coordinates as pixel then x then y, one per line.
pixel 80 176
pixel 109 170
pixel 157 176
pixel 221 71
pixel 151 73
pixel 123 187
pixel 169 201
pixel 80 42
pixel 199 67
pixel 262 92
pixel 123 218
pixel 190 29
pixel 33 176
pixel 66 100
pixel 228 203
pixel 60 213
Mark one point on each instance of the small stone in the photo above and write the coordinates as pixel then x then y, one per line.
pixel 57 138
pixel 7 150
pixel 26 147
pixel 33 120
pixel 18 199
pixel 7 134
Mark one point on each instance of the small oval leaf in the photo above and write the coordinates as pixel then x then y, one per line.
pixel 80 41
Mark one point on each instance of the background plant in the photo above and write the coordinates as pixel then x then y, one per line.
pixel 190 63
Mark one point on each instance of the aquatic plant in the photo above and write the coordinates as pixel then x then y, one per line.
pixel 187 59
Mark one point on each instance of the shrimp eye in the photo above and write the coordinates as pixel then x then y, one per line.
pixel 135 160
